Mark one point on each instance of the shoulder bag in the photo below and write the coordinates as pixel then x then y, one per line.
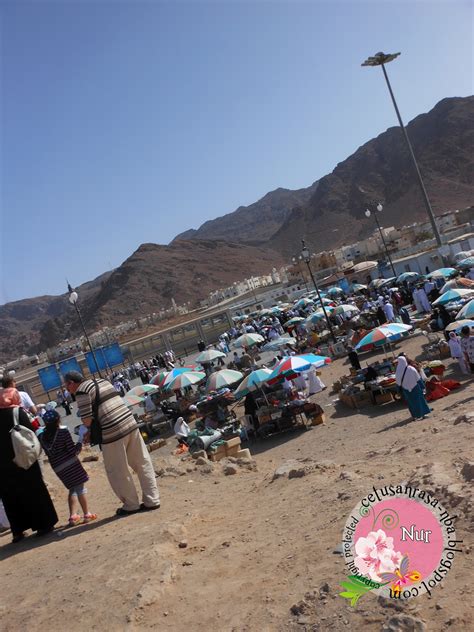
pixel 26 446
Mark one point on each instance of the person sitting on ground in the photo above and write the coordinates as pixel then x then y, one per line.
pixel 181 430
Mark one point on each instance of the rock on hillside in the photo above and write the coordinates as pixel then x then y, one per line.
pixel 381 170
pixel 256 223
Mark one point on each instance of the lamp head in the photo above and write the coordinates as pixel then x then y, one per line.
pixel 367 213
pixel 379 207
pixel 305 252
pixel 73 296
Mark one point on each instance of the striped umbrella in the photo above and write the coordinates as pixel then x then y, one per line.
pixel 335 291
pixel 295 364
pixel 185 379
pixel 346 309
pixel 294 321
pixel 132 400
pixel 249 340
pixel 304 302
pixel 316 361
pixel 143 389
pixel 223 378
pixel 209 355
pixel 467 311
pixel 275 344
pixel 252 382
pixel 159 378
pixel 385 334
pixel 453 295
pixel 319 314
pixel 459 324
pixel 442 272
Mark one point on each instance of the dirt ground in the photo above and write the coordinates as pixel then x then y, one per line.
pixel 261 554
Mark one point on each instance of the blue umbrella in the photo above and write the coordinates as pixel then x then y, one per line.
pixel 253 381
pixel 454 295
pixel 467 263
pixel 442 272
pixel 407 276
pixel 467 311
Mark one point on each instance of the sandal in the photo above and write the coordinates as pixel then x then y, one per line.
pixel 89 516
pixel 74 519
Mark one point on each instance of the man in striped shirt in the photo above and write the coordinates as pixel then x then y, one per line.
pixel 122 444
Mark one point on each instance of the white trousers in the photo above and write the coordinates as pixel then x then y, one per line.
pixel 119 457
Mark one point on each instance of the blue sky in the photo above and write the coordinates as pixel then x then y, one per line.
pixel 128 122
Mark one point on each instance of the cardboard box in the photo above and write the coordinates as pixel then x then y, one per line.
pixel 233 451
pixel 244 454
pixel 383 398
pixel 230 443
pixel 214 457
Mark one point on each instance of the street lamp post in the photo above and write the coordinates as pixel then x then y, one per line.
pixel 380 59
pixel 306 256
pixel 297 261
pixel 368 214
pixel 73 298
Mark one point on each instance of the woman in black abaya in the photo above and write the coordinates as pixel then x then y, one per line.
pixel 23 492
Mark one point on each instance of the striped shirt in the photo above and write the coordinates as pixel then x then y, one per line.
pixel 62 454
pixel 115 419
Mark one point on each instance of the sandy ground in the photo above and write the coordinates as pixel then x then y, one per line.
pixel 260 553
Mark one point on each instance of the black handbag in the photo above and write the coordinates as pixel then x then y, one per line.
pixel 95 429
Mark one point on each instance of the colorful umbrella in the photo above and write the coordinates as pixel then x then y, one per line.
pixel 288 366
pixel 304 302
pixel 346 309
pixel 459 324
pixel 252 382
pixel 442 272
pixel 209 355
pixel 382 335
pixel 335 291
pixel 358 287
pixel 319 314
pixel 279 342
pixel 467 311
pixel 185 379
pixel 159 378
pixel 132 400
pixel 223 378
pixel 408 276
pixel 143 389
pixel 453 295
pixel 325 301
pixel 316 361
pixel 248 340
pixel 458 283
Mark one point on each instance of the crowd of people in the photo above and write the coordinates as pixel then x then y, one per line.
pixel 291 328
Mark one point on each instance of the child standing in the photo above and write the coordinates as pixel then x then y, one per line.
pixel 62 453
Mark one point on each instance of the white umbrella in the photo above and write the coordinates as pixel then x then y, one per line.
pixel 209 355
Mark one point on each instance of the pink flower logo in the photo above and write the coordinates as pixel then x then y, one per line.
pixel 375 555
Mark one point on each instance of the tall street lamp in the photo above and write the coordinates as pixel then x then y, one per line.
pixel 306 256
pixel 368 214
pixel 297 261
pixel 380 59
pixel 73 298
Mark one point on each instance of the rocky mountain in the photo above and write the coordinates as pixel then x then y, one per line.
pixel 144 283
pixel 256 223
pixel 381 170
pixel 330 212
